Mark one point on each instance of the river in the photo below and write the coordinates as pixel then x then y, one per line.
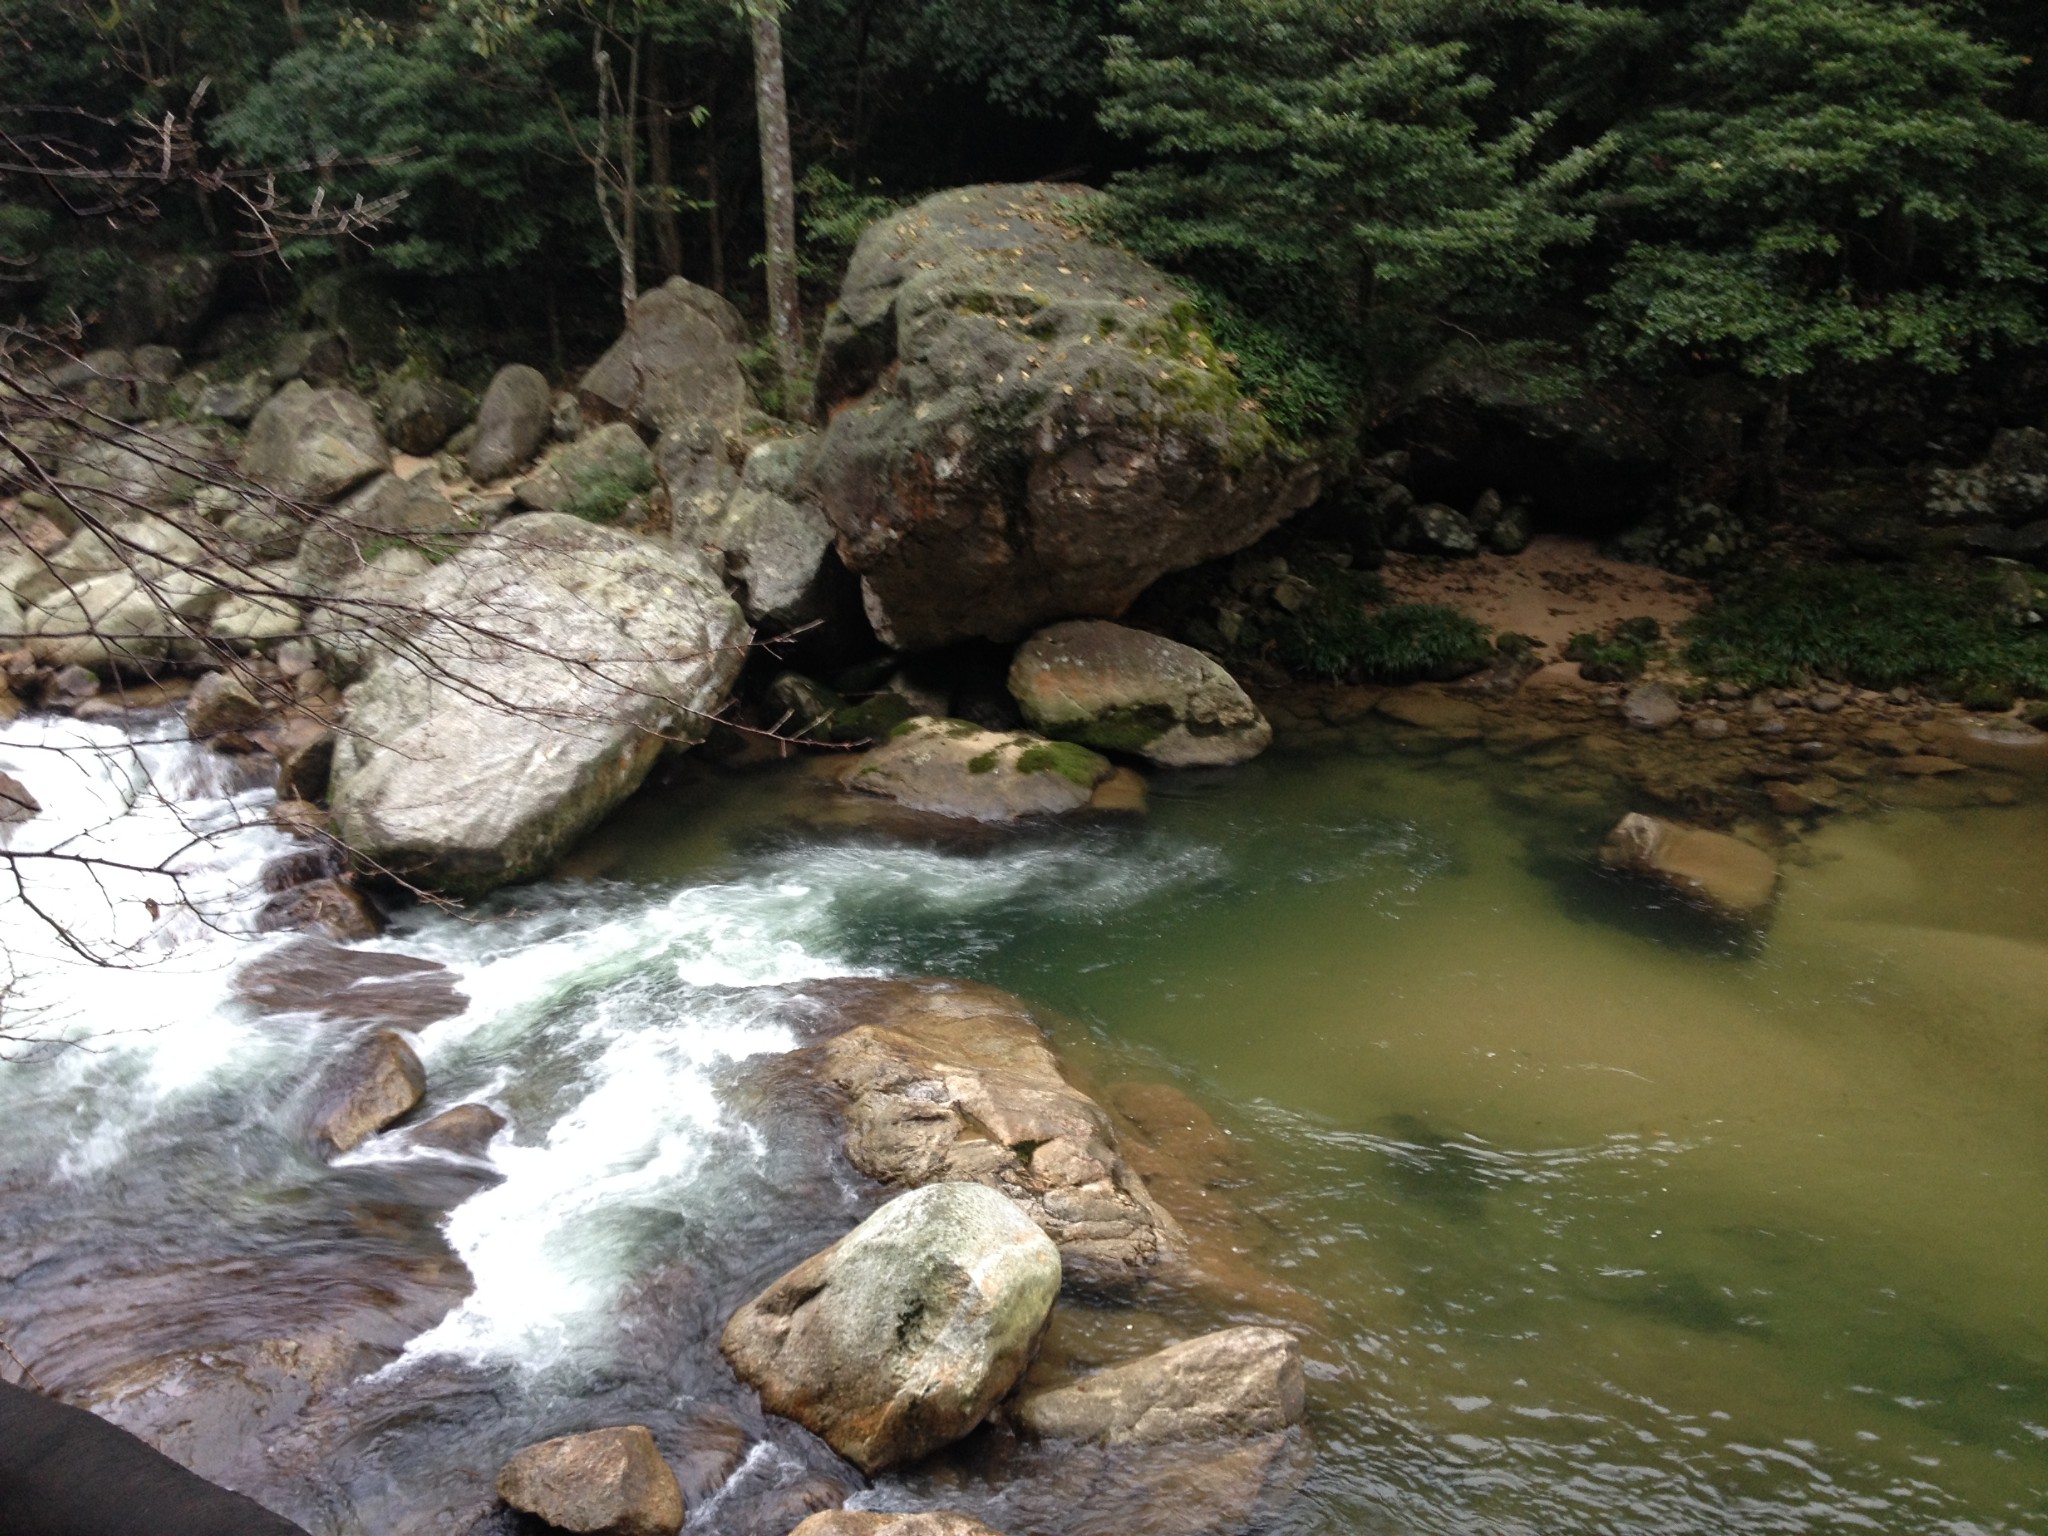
pixel 1591 1220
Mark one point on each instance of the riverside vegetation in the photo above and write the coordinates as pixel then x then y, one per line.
pixel 1632 421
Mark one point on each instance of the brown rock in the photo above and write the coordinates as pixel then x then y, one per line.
pixel 304 750
pixel 302 818
pixel 864 1522
pixel 379 1083
pixel 678 358
pixel 311 976
pixel 16 803
pixel 222 702
pixel 1429 709
pixel 947 1080
pixel 465 1130
pixel 1236 1383
pixel 1651 707
pixel 1724 875
pixel 1795 799
pixel 334 909
pixel 609 1482
pixel 1928 767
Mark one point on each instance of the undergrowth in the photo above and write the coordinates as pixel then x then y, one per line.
pixel 1958 629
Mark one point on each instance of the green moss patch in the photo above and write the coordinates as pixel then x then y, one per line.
pixel 1069 760
pixel 1131 729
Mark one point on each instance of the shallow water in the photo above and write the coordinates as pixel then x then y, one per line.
pixel 1616 1225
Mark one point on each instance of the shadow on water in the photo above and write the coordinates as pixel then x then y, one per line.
pixel 1589 895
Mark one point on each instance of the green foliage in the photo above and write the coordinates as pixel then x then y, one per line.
pixel 1953 627
pixel 1619 656
pixel 1837 186
pixel 1339 626
pixel 834 214
pixel 605 498
pixel 1323 166
pixel 81 279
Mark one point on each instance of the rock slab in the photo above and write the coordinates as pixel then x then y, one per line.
pixel 609 1482
pixel 1237 1383
pixel 1722 874
pixel 1026 426
pixel 954 768
pixel 865 1522
pixel 1123 690
pixel 900 1337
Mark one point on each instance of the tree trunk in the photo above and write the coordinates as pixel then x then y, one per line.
pixel 668 234
pixel 778 192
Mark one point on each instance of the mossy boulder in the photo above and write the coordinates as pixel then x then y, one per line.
pixel 1027 425
pixel 595 478
pixel 1123 690
pixel 955 768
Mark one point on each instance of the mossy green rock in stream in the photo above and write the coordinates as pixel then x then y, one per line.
pixel 1028 425
pixel 899 1338
pixel 1123 690
pixel 548 666
pixel 955 768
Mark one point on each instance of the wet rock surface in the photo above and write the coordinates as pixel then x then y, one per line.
pixel 861 1522
pixel 1122 690
pixel 955 768
pixel 949 1080
pixel 1238 1383
pixel 605 1482
pixel 377 1083
pixel 900 1337
pixel 1722 874
pixel 310 976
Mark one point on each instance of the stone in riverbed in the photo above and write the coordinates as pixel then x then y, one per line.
pixel 948 1080
pixel 333 909
pixel 16 803
pixel 551 663
pixel 1651 707
pixel 1722 874
pixel 865 1522
pixel 1237 1383
pixel 608 1482
pixel 222 702
pixel 595 477
pixel 312 976
pixel 379 1083
pixel 679 357
pixel 1119 689
pixel 466 1130
pixel 900 1337
pixel 1025 425
pixel 954 768
pixel 313 444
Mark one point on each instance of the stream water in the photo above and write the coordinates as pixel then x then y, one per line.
pixel 1591 1220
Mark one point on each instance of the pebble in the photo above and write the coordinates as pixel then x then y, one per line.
pixel 1770 727
pixel 1710 727
pixel 1826 703
pixel 1813 751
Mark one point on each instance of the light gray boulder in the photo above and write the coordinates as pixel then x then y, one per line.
pixel 1123 690
pixel 314 444
pixel 597 477
pixel 900 1337
pixel 540 674
pixel 771 534
pixel 386 513
pixel 955 768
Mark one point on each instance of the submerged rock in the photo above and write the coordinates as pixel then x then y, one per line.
pixel 608 1482
pixel 954 768
pixel 466 1130
pixel 1722 874
pixel 949 1080
pixel 1233 1384
pixel 332 908
pixel 379 1083
pixel 900 1337
pixel 1120 689
pixel 1026 425
pixel 311 976
pixel 551 663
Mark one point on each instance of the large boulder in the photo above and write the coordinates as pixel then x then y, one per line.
pixel 1722 874
pixel 679 357
pixel 594 478
pixel 1027 426
pixel 608 1482
pixel 1123 690
pixel 314 444
pixel 540 674
pixel 900 1337
pixel 1239 1382
pixel 951 1080
pixel 422 412
pixel 164 298
pixel 955 768
pixel 775 542
pixel 122 594
pixel 511 424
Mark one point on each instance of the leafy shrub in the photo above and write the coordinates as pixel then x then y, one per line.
pixel 1336 636
pixel 1621 655
pixel 1952 627
pixel 604 498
